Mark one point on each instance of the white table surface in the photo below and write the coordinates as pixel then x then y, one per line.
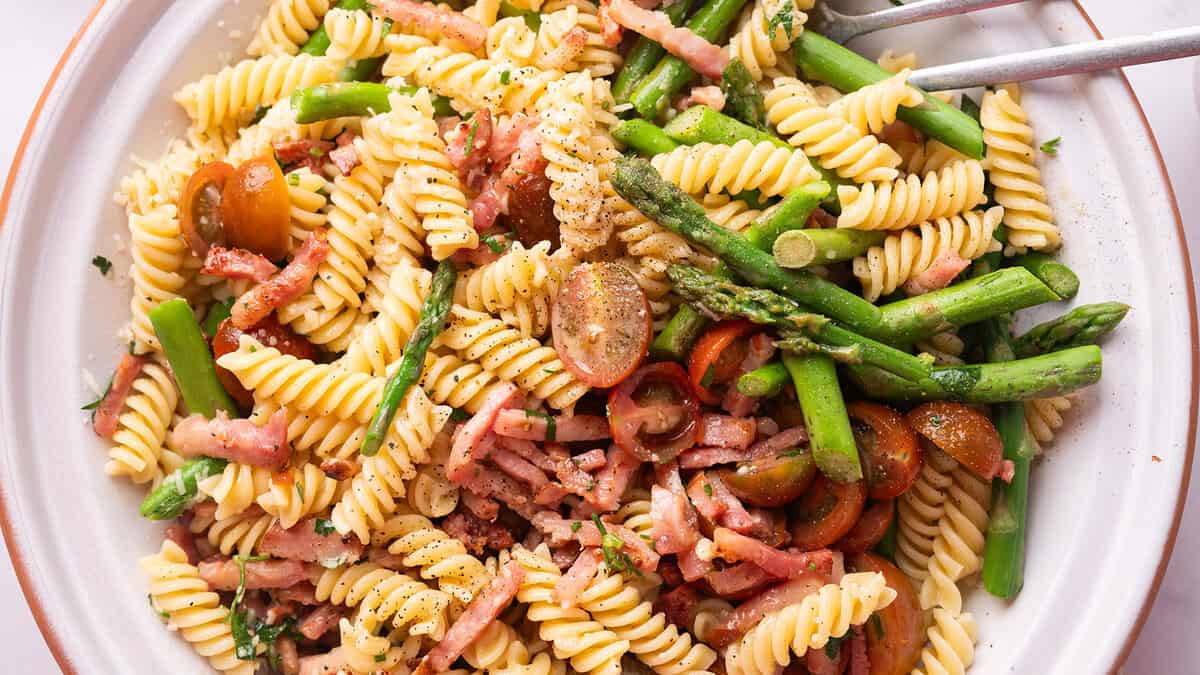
pixel 1168 91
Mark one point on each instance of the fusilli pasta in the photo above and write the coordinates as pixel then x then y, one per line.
pixel 956 188
pixel 230 96
pixel 355 34
pixel 873 107
pixel 764 166
pixel 918 512
pixel 958 548
pixel 1045 416
pixel 1013 171
pixel 398 297
pixel 426 548
pixel 137 449
pixel 770 27
pixel 286 26
pixel 298 493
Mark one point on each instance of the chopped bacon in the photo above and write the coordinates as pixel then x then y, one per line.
pixel 223 574
pixel 560 530
pixel 477 534
pixel 715 502
pixel 590 460
pixel 703 56
pixel 104 420
pixel 179 534
pixel 746 615
pixel 675 527
pixel 280 610
pixel 304 153
pixel 435 19
pixel 518 467
pixel 302 542
pixel 517 133
pixel 679 605
pixel 237 263
pixel 239 440
pixel 339 469
pixel 320 620
pixel 470 440
pixel 467 148
pixel 483 508
pixel 550 495
pixel 561 56
pixel 1007 471
pixel 737 580
pixel 532 427
pixel 491 201
pixel 710 95
pixel 384 558
pixel 287 285
pixel 611 32
pixel 669 571
pixel 287 655
pixel 761 349
pixel 724 431
pixel 818 662
pixel 570 585
pixel 860 660
pixel 702 458
pixel 303 593
pixel 516 151
pixel 574 478
pixel 736 547
pixel 614 478
pixel 480 614
pixel 529 451
pixel 691 566
pixel 345 157
pixel 329 663
pixel 770 527
pixel 784 440
pixel 767 427
pixel 821 218
pixel 939 274
pixel 485 482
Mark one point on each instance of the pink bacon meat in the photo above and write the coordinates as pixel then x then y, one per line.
pixel 104 420
pixel 238 440
pixel 287 285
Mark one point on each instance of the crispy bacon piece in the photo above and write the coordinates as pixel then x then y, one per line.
pixel 104 420
pixel 521 424
pixel 736 547
pixel 320 620
pixel 345 157
pixel 590 460
pixel 559 531
pixel 518 467
pixel 287 284
pixel 784 440
pixel 702 458
pixel 329 663
pixel 238 440
pixel 486 482
pixel 715 502
pixel 724 431
pixel 735 580
pixel 821 218
pixel 237 263
pixel 613 479
pixel 703 56
pixel 761 349
pixel 710 95
pixel 223 574
pixel 817 662
pixel 939 274
pixel 304 153
pixel 289 657
pixel 515 152
pixel 476 534
pixel 435 19
pixel 302 542
pixel 675 528
pixel 303 593
pixel 183 538
pixel 746 615
pixel 529 451
pixel 576 580
pixel 561 56
pixel 691 566
pixel 483 508
pixel 860 661
pixel 467 148
pixel 679 605
pixel 339 469
pixel 482 611
pixel 471 440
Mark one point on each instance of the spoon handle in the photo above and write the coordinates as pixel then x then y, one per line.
pixel 843 27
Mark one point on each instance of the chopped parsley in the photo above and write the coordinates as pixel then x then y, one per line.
pixel 708 489
pixel 611 546
pixel 1050 147
pixel 316 152
pixel 300 490
pixel 103 264
pixel 494 245
pixel 459 415
pixel 505 76
pixel 239 617
pixel 551 426
pixel 709 373
pixel 323 527
pixel 293 179
pixel 794 452
pixel 575 526
pixel 260 112
pixel 96 404
pixel 380 658
pixel 783 18
pixel 551 371
pixel 935 420
pixel 471 136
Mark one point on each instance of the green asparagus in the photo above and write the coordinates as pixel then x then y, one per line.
pixel 823 59
pixel 645 53
pixel 788 215
pixel 352 99
pixel 1053 273
pixel 743 99
pixel 832 441
pixel 217 312
pixel 678 336
pixel 765 381
pixel 431 322
pixel 178 490
pixel 797 249
pixel 191 361
pixel 1083 325
pixel 644 137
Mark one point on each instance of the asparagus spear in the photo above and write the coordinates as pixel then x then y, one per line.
pixel 431 322
pixel 671 74
pixel 825 60
pixel 352 99
pixel 1053 273
pixel 765 381
pixel 178 491
pixel 191 361
pixel 832 441
pixel 645 54
pixel 797 249
pixel 644 137
pixel 318 42
pixel 680 333
pixel 790 214
pixel 742 97
pixel 217 312
pixel 1083 325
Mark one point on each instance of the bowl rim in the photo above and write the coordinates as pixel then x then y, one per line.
pixel 55 641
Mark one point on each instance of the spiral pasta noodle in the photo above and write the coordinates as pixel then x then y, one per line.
pixel 278 125
pixel 137 449
pixel 909 253
pixel 298 493
pixel 731 214
pixel 945 348
pixel 1045 416
pixel 519 286
pixel 177 590
pixel 381 594
pixel 575 635
pixel 230 96
pixel 355 34
pixel 1012 170
pixel 333 329
pixel 894 63
pixel 158 260
pixel 918 512
pixel 457 383
pixel 241 532
pixel 532 366
pixel 160 183
pixel 431 493
pixel 956 188
pixel 398 297
pixel 566 129
pixel 958 548
pixel 560 16
pixel 399 234
pixel 510 40
pixel 436 554
pixel 873 107
pixel 306 192
pixel 951 648
pixel 287 26
pixel 236 487
pixel 932 155
pixel 706 167
pixel 325 436
pixel 834 142
pixel 710 612
pixel 770 28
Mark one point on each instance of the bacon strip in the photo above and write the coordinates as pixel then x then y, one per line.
pixel 784 440
pixel 303 593
pixel 238 440
pixel 303 153
pixel 183 538
pixel 480 614
pixel 471 440
pixel 576 580
pixel 302 542
pixel 736 580
pixel 702 458
pixel 703 56
pixel 590 460
pixel 724 431
pixel 561 56
pixel 287 285
pixel 521 424
pixel 559 530
pixel 516 151
pixel 939 274
pixel 104 420
pixel 518 467
pixel 319 621
pixel 223 574
pixel 746 615
pixel 736 547
pixel 675 527
pixel 434 19
pixel 618 471
pixel 237 263
pixel 691 566
pixel 477 534
pixel 710 95
pixel 345 157
pixel 467 148
pixel 487 483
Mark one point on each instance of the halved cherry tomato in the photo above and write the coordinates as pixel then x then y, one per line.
pixel 256 209
pixel 771 481
pixel 200 207
pixel 962 432
pixel 716 356
pixel 601 324
pixel 889 448
pixel 269 332
pixel 825 512
pixel 531 211
pixel 896 633
pixel 654 415
pixel 870 528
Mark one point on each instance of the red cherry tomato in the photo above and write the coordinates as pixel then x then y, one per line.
pixel 870 528
pixel 826 512
pixel 889 448
pixel 200 207
pixel 531 211
pixel 774 480
pixel 896 633
pixel 601 324
pixel 716 356
pixel 962 432
pixel 654 415
pixel 256 210
pixel 269 332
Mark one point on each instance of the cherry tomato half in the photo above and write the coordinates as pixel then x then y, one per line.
pixel 200 207
pixel 771 481
pixel 962 432
pixel 871 527
pixel 654 415
pixel 716 356
pixel 256 209
pixel 896 633
pixel 531 211
pixel 889 449
pixel 601 324
pixel 269 332
pixel 825 512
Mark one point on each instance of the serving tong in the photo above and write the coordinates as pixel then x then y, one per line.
pixel 1084 57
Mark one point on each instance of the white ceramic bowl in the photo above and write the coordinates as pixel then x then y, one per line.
pixel 1105 502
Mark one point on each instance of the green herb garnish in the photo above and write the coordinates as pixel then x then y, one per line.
pixel 551 426
pixel 613 549
pixel 103 264
pixel 323 527
pixel 1050 147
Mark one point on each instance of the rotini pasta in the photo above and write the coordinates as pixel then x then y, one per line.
pixel 561 16
pixel 918 512
pixel 945 348
pixel 157 271
pixel 236 488
pixel 307 194
pixel 239 533
pixel 286 26
pixel 230 96
pixel 956 188
pixel 958 548
pixel 439 557
pixel 510 40
pixel 355 34
pixel 296 494
pixel 873 107
pixel 137 449
pixel 398 298
pixel 951 648
pixel 457 383
pixel 431 493
pixel 769 28
pixel 1045 416
pixel 380 595
pixel 519 287
pixel 765 167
